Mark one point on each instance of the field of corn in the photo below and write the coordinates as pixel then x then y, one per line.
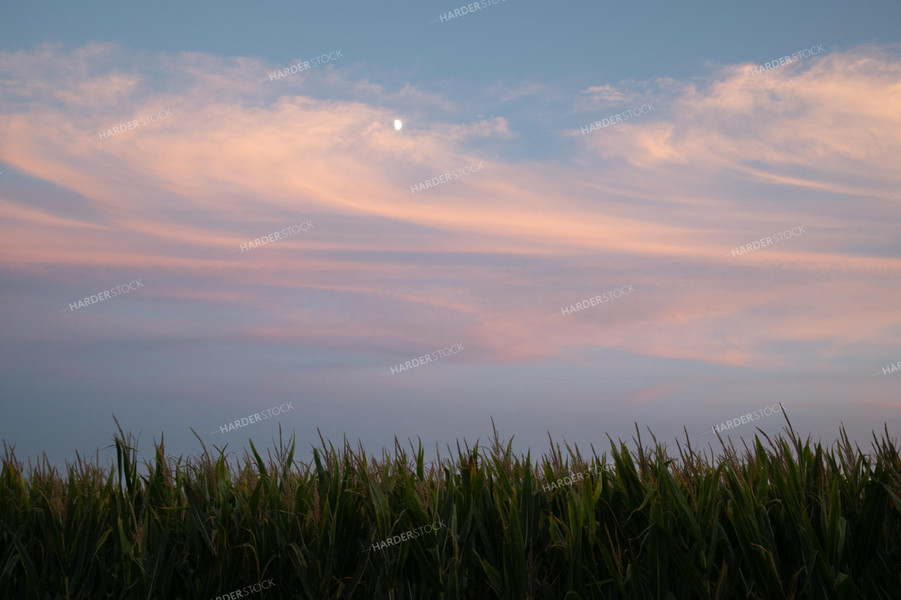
pixel 779 518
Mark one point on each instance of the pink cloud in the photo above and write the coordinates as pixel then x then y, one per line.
pixel 657 200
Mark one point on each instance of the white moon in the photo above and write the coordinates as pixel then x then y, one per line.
pixel 397 124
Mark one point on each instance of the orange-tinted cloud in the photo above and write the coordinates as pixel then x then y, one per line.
pixel 658 201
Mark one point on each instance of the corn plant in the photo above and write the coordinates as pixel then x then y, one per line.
pixel 780 518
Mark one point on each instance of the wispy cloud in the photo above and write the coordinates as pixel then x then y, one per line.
pixel 657 201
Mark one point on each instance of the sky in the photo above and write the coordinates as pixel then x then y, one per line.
pixel 586 216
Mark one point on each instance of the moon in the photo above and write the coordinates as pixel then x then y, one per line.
pixel 397 124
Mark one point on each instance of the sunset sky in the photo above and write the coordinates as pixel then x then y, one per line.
pixel 728 154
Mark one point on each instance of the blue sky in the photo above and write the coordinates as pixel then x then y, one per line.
pixel 726 158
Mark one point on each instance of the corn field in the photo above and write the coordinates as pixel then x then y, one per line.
pixel 779 518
